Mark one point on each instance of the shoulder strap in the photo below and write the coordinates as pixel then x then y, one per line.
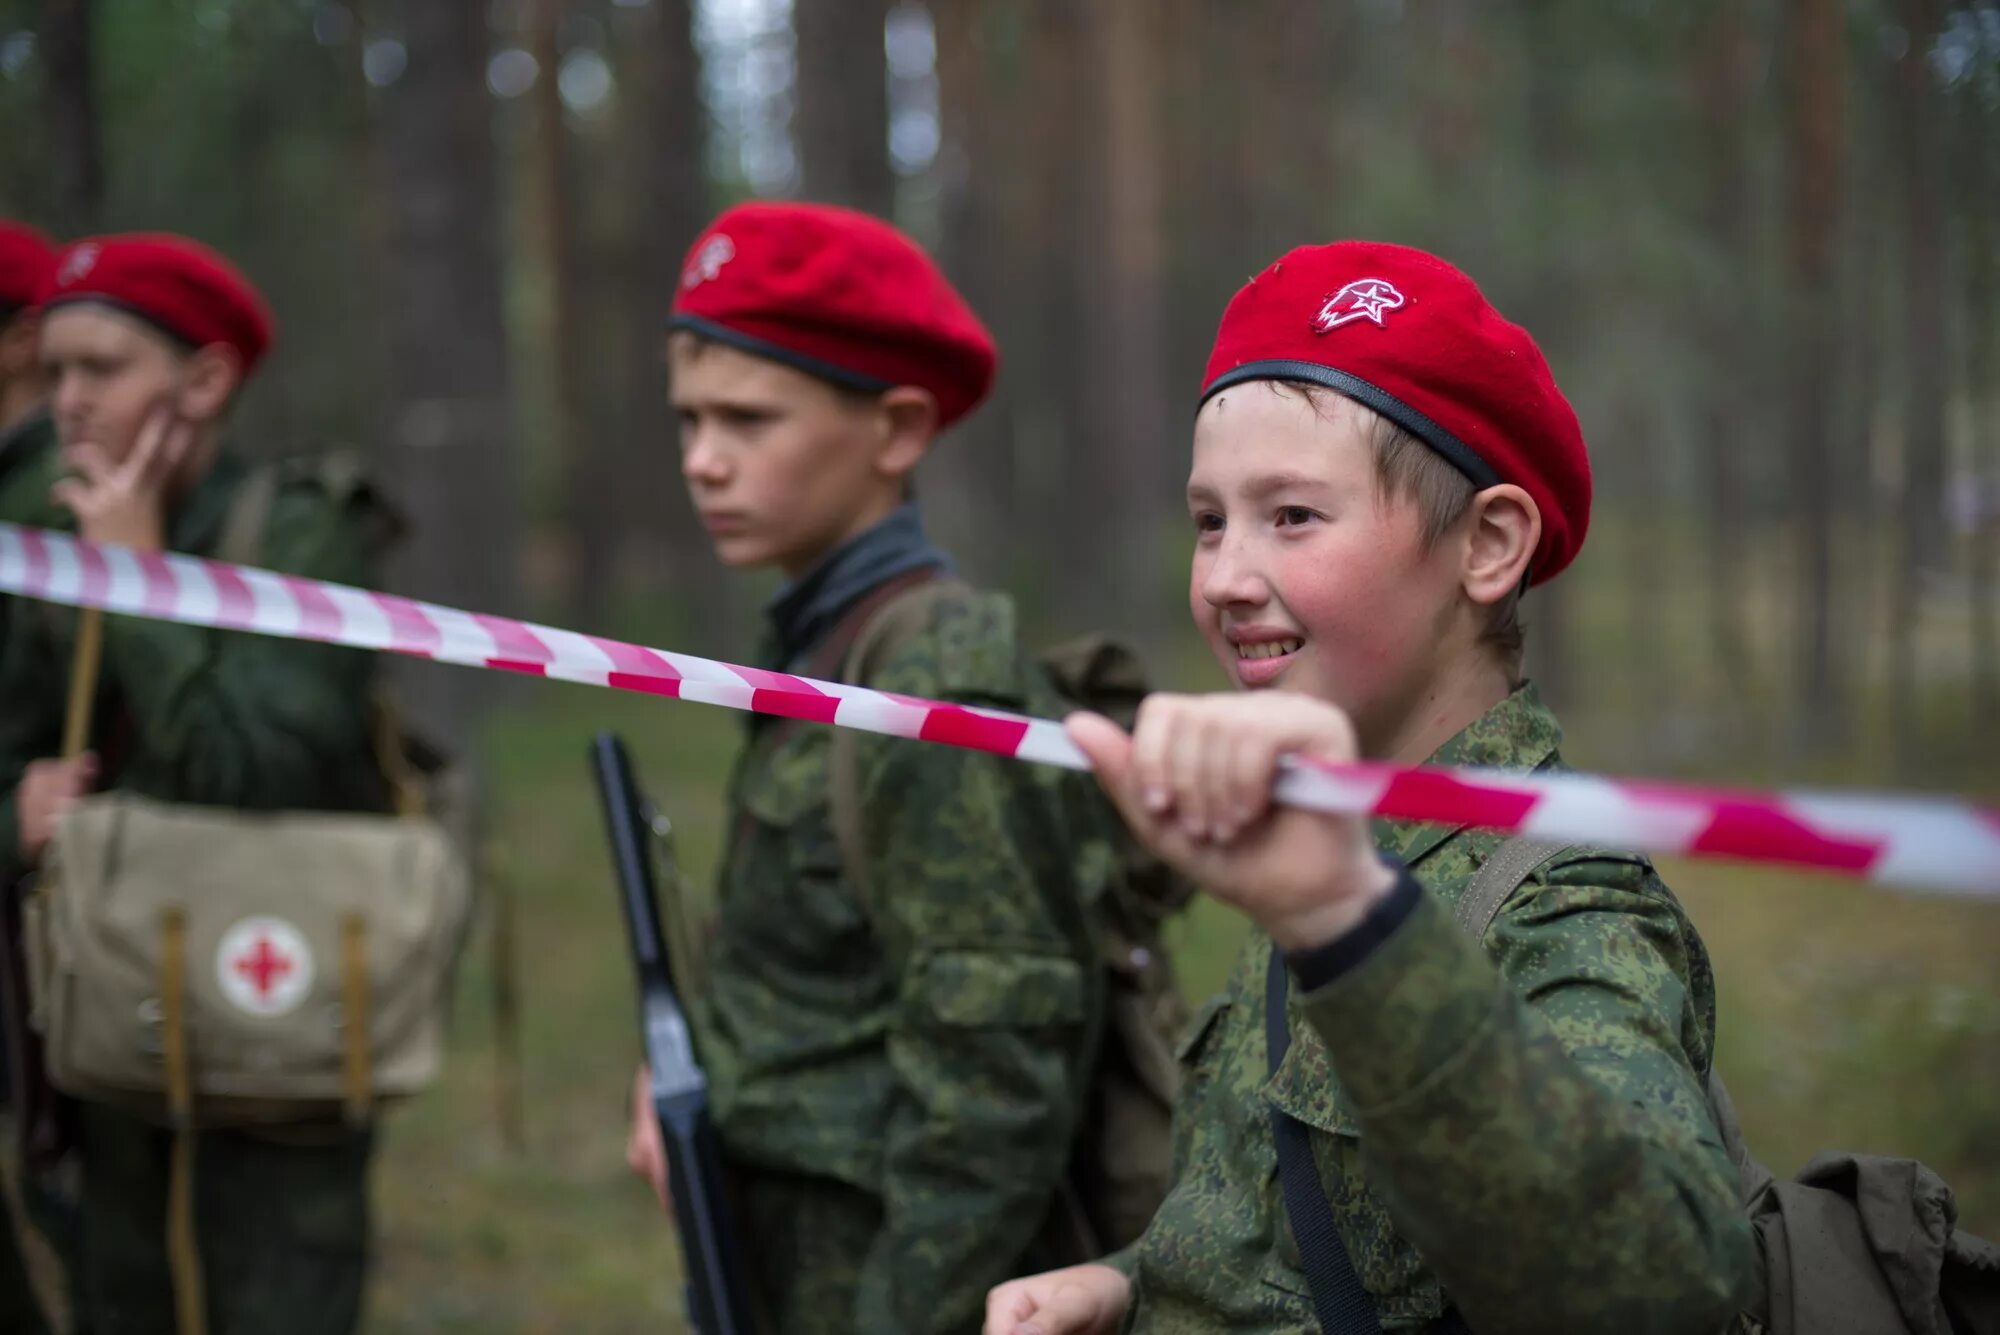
pixel 1340 1302
pixel 242 538
pixel 882 628
pixel 1510 865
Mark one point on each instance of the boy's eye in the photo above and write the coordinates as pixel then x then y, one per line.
pixel 1208 522
pixel 1292 515
pixel 745 419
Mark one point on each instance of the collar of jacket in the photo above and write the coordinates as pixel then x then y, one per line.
pixel 1519 733
pixel 195 526
pixel 807 608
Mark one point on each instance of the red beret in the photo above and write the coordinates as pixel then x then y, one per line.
pixel 179 286
pixel 26 261
pixel 837 294
pixel 1411 337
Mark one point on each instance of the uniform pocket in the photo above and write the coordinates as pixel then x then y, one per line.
pixel 1198 1039
pixel 991 989
pixel 1306 1090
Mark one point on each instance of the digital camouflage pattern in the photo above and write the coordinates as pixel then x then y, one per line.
pixel 186 714
pixel 1530 1145
pixel 898 1069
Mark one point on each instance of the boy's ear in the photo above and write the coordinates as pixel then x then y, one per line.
pixel 210 377
pixel 1506 530
pixel 910 416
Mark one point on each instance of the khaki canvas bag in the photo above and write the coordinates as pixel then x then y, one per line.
pixel 216 967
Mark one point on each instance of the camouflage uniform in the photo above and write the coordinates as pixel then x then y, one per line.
pixel 898 1068
pixel 1531 1146
pixel 191 715
pixel 28 468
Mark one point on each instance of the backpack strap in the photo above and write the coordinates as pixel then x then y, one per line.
pixel 1511 864
pixel 880 631
pixel 1339 1301
pixel 242 539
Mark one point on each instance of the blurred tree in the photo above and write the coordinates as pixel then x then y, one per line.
pixel 590 489
pixel 1920 133
pixel 449 417
pixel 1816 51
pixel 842 118
pixel 1975 128
pixel 1725 58
pixel 1130 470
pixel 68 38
pixel 659 150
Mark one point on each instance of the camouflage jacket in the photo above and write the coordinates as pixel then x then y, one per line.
pixel 186 714
pixel 1518 1131
pixel 28 468
pixel 921 1038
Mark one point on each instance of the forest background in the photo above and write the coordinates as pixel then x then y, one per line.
pixel 1759 241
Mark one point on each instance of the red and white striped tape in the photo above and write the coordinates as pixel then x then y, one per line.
pixel 1937 844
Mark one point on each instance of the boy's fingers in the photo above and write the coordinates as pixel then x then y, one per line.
pixel 1152 739
pixel 1107 747
pixel 1189 775
pixel 1069 1309
pixel 151 437
pixel 70 494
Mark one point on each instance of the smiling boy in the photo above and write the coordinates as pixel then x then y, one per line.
pixel 1508 1135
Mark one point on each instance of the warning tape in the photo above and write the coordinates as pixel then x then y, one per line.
pixel 1937 844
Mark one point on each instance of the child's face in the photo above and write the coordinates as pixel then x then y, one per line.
pixel 1304 577
pixel 780 464
pixel 107 372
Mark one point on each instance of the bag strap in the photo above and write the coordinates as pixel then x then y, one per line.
pixel 1340 1302
pixel 1338 1297
pixel 1503 873
pixel 356 1072
pixel 183 1250
pixel 242 539
pixel 881 628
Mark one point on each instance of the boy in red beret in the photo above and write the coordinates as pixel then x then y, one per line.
pixel 1392 1120
pixel 27 437
pixel 145 342
pixel 901 990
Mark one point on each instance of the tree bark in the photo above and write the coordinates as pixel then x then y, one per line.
pixel 450 421
pixel 1726 57
pixel 1129 461
pixel 1816 150
pixel 842 108
pixel 661 148
pixel 76 141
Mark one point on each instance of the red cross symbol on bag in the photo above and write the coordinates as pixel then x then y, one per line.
pixel 264 966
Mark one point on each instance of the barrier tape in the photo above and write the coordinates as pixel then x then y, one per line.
pixel 1936 844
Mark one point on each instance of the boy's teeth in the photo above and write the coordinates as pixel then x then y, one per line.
pixel 1269 649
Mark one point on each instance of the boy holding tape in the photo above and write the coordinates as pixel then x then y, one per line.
pixel 897 1018
pixel 1385 1125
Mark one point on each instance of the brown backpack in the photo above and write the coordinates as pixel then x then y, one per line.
pixel 1856 1244
pixel 1122 1163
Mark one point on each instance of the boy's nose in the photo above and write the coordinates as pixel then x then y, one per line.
pixel 702 462
pixel 1234 580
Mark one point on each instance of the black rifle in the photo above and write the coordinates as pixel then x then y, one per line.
pixel 717 1298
